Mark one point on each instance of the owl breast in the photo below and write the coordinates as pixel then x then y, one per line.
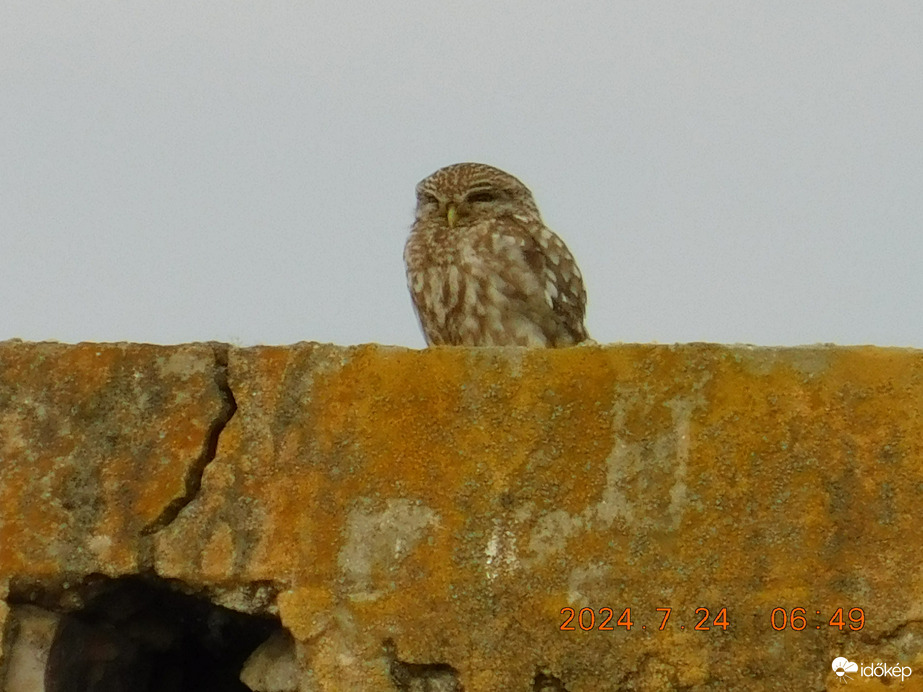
pixel 475 287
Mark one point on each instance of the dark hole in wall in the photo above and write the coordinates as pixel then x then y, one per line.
pixel 136 634
pixel 547 683
pixel 420 677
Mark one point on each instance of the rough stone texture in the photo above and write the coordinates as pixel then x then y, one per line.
pixel 34 631
pixel 98 444
pixel 7 633
pixel 431 513
pixel 273 667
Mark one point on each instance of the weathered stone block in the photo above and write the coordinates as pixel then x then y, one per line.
pixel 436 513
pixel 99 444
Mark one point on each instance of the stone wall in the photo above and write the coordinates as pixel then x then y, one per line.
pixel 454 518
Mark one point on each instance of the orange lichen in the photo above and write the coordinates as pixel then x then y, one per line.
pixel 453 500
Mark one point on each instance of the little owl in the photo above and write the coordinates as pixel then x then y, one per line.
pixel 483 269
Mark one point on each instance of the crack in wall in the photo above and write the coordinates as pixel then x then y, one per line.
pixel 196 470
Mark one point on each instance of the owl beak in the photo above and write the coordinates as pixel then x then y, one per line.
pixel 451 215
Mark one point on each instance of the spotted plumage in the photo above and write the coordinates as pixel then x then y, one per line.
pixel 483 269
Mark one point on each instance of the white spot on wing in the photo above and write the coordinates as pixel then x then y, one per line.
pixel 551 292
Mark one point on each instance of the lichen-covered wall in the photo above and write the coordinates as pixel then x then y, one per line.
pixel 449 506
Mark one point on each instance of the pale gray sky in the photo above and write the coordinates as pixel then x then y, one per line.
pixel 723 171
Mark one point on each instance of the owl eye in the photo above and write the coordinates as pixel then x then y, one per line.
pixel 427 198
pixel 482 196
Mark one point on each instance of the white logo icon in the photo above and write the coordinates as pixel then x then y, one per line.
pixel 841 666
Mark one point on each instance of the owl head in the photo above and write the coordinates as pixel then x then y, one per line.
pixel 464 194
